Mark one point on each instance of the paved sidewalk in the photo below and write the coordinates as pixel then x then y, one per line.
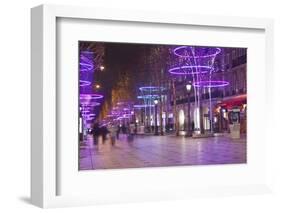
pixel 156 151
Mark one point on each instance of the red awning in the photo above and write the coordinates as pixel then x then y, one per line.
pixel 232 101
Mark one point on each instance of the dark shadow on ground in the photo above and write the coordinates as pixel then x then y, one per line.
pixel 26 200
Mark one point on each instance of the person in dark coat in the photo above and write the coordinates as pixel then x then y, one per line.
pixel 118 132
pixel 192 126
pixel 123 129
pixel 96 133
pixel 103 131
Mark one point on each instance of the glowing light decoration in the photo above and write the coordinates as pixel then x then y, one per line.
pixel 91 115
pixel 85 67
pixel 88 100
pixel 91 104
pixel 147 96
pixel 84 83
pixel 190 70
pixel 111 116
pixel 114 112
pixel 86 108
pixel 89 97
pixel 84 112
pixel 198 63
pixel 198 52
pixel 143 105
pixel 151 89
pixel 210 84
pixel 89 118
pixel 86 61
pixel 124 104
pixel 126 115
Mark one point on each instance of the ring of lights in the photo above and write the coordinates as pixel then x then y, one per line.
pixel 186 52
pixel 91 104
pixel 84 112
pixel 84 83
pixel 89 97
pixel 86 108
pixel 111 115
pixel 151 89
pixel 124 103
pixel 142 105
pixel 210 84
pixel 91 115
pixel 126 115
pixel 148 96
pixel 86 64
pixel 85 67
pixel 190 70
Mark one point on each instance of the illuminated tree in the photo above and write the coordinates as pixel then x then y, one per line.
pixel 97 48
pixel 159 57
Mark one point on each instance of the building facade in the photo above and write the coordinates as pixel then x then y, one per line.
pixel 217 103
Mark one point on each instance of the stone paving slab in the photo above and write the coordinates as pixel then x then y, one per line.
pixel 158 151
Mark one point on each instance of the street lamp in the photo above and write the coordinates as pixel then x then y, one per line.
pixel 156 127
pixel 102 68
pixel 97 86
pixel 188 89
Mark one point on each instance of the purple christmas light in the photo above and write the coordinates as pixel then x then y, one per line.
pixel 86 61
pixel 124 103
pixel 91 115
pixel 147 96
pixel 84 112
pixel 127 115
pixel 143 105
pixel 210 84
pixel 91 104
pixel 151 89
pixel 189 70
pixel 86 108
pixel 89 97
pixel 84 83
pixel 196 52
pixel 115 112
pixel 85 67
pixel 111 116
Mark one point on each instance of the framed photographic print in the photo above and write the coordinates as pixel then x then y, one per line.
pixel 149 106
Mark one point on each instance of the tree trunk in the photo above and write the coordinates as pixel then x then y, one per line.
pixel 201 114
pixel 176 123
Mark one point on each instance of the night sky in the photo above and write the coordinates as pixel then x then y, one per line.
pixel 118 60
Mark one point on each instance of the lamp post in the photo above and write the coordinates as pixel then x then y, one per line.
pixel 156 127
pixel 102 68
pixel 188 89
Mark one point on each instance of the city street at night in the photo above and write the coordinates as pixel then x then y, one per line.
pixel 156 151
pixel 152 105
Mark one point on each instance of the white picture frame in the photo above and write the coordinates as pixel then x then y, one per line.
pixel 45 170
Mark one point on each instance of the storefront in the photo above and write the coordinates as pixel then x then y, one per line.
pixel 229 111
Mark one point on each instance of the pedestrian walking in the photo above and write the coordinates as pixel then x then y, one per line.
pixel 131 130
pixel 113 133
pixel 118 132
pixel 96 133
pixel 104 131
pixel 123 129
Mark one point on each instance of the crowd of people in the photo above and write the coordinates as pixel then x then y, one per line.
pixel 112 132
